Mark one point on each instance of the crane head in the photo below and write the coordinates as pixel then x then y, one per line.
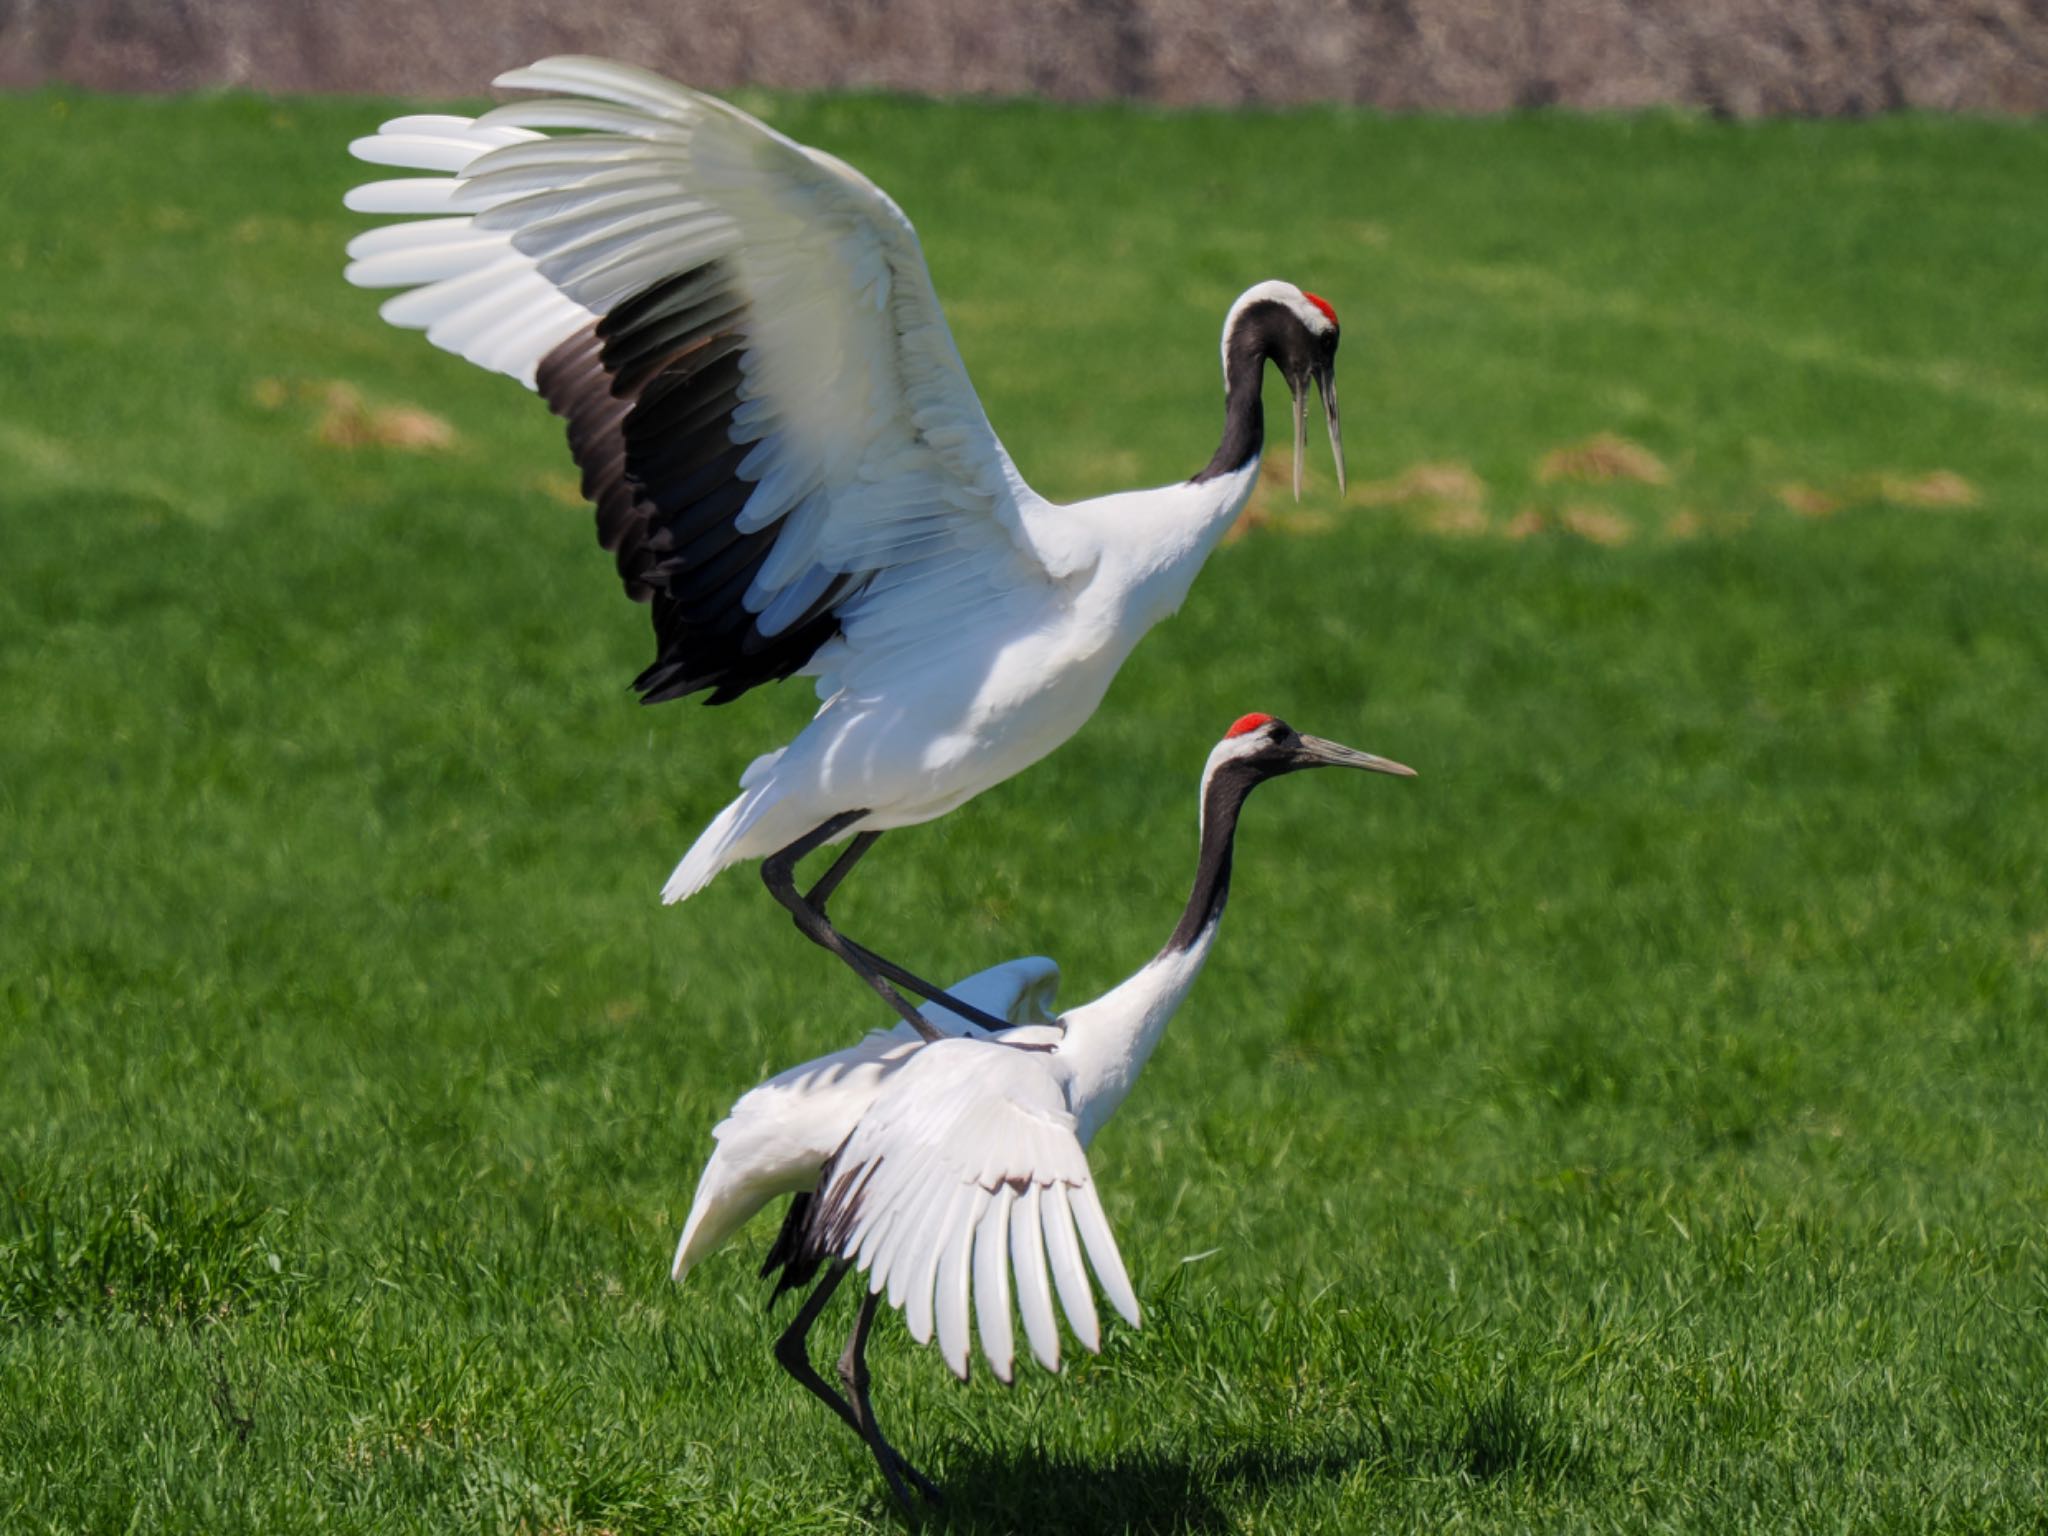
pixel 1297 331
pixel 1266 747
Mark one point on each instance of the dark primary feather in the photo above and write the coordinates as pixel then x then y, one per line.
pixel 649 393
pixel 786 1253
pixel 817 1225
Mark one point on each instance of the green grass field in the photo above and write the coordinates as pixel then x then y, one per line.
pixel 1635 1124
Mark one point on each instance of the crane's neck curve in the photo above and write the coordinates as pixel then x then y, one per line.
pixel 1246 347
pixel 1224 789
pixel 1109 1040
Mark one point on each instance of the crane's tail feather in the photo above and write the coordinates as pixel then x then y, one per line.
pixel 687 1254
pixel 715 848
pixel 718 1211
pixel 718 844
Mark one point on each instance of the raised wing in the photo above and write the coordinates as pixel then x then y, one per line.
pixel 767 405
pixel 966 1171
pixel 780 1133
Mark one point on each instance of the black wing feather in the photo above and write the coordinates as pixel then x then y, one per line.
pixel 649 393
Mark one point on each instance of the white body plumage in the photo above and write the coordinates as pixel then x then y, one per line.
pixel 1003 687
pixel 974 626
pixel 995 1182
pixel 781 1133
pixel 943 1170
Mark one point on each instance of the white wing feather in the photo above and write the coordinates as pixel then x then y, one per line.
pixel 1063 1256
pixel 992 1283
pixel 780 1134
pixel 869 443
pixel 969 1164
pixel 1034 1286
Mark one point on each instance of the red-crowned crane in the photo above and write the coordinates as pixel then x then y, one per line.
pixel 939 1169
pixel 786 455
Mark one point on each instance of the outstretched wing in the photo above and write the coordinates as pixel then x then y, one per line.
pixel 763 395
pixel 780 1133
pixel 966 1171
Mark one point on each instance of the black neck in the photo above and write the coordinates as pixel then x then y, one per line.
pixel 1221 802
pixel 1261 332
pixel 1244 415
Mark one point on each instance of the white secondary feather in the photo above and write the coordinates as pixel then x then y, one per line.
pixel 964 1162
pixel 991 1280
pixel 780 1134
pixel 864 409
pixel 967 1159
pixel 967 1133
pixel 978 625
pixel 1034 1287
pixel 968 1165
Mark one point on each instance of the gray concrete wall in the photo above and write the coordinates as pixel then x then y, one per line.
pixel 1743 57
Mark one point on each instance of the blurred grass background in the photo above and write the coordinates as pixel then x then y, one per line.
pixel 1636 1123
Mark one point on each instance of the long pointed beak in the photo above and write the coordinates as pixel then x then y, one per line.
pixel 1300 432
pixel 1330 754
pixel 1326 385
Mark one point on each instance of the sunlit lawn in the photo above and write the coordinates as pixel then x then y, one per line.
pixel 1636 1123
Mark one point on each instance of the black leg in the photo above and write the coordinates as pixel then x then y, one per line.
pixel 842 866
pixel 792 1353
pixel 853 1370
pixel 821 893
pixel 987 1022
pixel 778 873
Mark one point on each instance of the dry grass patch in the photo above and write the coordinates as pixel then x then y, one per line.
pixel 1601 458
pixel 1597 524
pixel 1449 498
pixel 1937 490
pixel 1458 520
pixel 1444 482
pixel 348 421
pixel 1590 521
pixel 1264 514
pixel 558 487
pixel 1940 488
pixel 1807 500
